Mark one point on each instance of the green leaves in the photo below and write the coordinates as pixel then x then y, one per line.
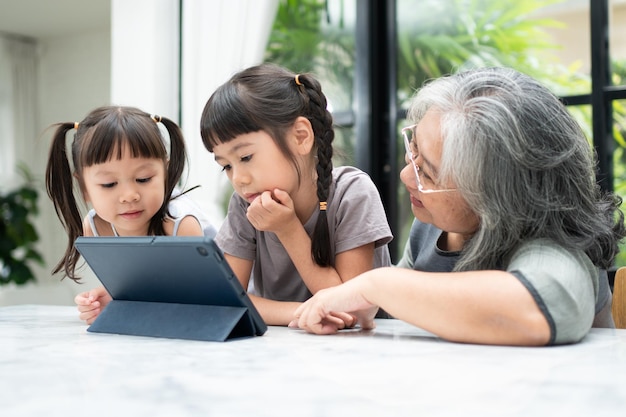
pixel 436 38
pixel 17 232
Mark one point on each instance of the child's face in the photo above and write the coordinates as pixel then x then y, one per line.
pixel 126 192
pixel 254 164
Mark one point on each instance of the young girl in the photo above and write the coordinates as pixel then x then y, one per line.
pixel 121 165
pixel 294 223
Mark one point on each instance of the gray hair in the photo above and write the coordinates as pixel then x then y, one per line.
pixel 523 165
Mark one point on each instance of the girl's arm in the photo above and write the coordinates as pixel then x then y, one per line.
pixel 491 307
pixel 274 212
pixel 188 226
pixel 348 264
pixel 91 303
pixel 275 313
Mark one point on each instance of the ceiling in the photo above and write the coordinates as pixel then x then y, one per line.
pixel 52 18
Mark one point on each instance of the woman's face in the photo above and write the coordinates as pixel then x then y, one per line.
pixel 446 210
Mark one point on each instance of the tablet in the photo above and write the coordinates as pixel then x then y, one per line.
pixel 163 276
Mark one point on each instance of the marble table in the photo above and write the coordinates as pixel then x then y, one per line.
pixel 51 366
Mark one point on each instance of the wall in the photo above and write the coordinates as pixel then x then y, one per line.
pixel 574 36
pixel 73 77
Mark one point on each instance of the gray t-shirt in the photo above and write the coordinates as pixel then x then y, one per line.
pixel 570 291
pixel 356 217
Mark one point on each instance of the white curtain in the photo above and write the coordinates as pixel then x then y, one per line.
pixel 220 37
pixel 18 89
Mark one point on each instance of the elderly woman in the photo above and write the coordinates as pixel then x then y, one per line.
pixel 512 233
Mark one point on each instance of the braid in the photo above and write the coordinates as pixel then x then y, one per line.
pixel 271 98
pixel 322 123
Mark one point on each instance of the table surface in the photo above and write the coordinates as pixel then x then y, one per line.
pixel 51 366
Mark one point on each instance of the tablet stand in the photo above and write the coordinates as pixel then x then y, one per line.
pixel 170 320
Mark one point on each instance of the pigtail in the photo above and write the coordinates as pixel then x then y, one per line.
pixel 60 188
pixel 322 123
pixel 174 171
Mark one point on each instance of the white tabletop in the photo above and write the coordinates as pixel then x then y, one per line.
pixel 51 366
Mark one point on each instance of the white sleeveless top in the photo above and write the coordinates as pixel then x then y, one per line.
pixel 92 223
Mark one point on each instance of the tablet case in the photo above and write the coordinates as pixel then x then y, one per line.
pixel 169 286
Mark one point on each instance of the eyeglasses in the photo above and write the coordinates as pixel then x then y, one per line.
pixel 407 134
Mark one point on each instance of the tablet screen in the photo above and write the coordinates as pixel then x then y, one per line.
pixel 170 269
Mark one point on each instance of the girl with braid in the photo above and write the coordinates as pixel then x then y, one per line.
pixel 294 223
pixel 121 165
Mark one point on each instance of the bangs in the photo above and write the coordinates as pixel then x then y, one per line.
pixel 227 115
pixel 108 140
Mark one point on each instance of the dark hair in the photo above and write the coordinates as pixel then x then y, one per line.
pixel 270 98
pixel 100 137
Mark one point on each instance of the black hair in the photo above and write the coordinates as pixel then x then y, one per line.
pixel 100 137
pixel 270 98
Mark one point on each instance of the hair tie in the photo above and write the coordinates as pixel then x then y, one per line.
pixel 157 119
pixel 298 80
pixel 76 125
pixel 323 205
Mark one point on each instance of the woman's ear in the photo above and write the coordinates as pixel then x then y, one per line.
pixel 303 136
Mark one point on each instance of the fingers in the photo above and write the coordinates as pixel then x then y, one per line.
pixel 325 325
pixel 269 200
pixel 282 197
pixel 348 319
pixel 88 309
pixel 83 299
pixel 89 316
pixel 91 303
pixel 312 317
pixel 368 324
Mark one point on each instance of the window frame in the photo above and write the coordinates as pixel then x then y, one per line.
pixel 376 114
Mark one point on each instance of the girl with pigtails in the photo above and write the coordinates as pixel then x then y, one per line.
pixel 126 173
pixel 294 223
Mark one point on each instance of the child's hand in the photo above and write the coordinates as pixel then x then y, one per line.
pixel 272 211
pixel 91 303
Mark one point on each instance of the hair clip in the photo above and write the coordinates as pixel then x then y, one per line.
pixel 323 205
pixel 76 125
pixel 298 80
pixel 157 119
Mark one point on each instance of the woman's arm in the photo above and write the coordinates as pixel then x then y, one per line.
pixel 490 307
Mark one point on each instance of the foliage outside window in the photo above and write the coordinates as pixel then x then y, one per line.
pixel 436 37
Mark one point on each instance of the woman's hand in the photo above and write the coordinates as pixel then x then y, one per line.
pixel 336 308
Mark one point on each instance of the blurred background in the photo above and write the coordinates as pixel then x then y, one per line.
pixel 59 59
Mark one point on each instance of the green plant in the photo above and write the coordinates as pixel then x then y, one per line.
pixel 17 232
pixel 436 37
